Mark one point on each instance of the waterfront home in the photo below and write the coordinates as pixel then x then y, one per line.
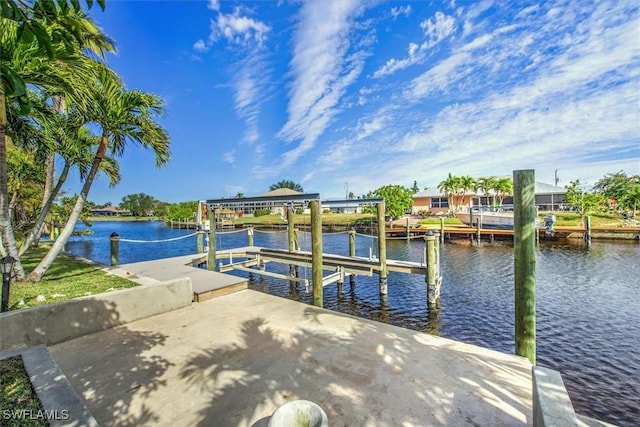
pixel 110 211
pixel 435 202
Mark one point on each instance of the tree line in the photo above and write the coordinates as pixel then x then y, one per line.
pixel 615 192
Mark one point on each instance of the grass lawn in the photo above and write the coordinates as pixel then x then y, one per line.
pixel 17 395
pixel 449 220
pixel 67 278
pixel 574 219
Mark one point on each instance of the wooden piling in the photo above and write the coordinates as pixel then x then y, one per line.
pixel 432 270
pixel 352 253
pixel 352 242
pixel 437 249
pixel 587 230
pixel 407 228
pixel 442 229
pixel 291 233
pixel 478 228
pixel 524 248
pixel 250 236
pixel 200 241
pixel 316 253
pixel 382 249
pixel 114 238
pixel 211 255
pixel 290 230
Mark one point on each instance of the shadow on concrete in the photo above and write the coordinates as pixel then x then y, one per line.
pixel 360 374
pixel 134 374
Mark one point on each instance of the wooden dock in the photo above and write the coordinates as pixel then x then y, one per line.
pixel 253 255
pixel 452 231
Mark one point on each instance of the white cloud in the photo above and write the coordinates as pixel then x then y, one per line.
pixel 200 46
pixel 249 93
pixel 229 157
pixel 435 29
pixel 369 128
pixel 438 28
pixel 400 10
pixel 440 76
pixel 235 28
pixel 323 66
pixel 238 29
pixel 560 94
pixel 416 54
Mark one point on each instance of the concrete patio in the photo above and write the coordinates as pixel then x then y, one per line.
pixel 232 360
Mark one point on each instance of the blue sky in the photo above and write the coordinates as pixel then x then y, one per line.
pixel 326 93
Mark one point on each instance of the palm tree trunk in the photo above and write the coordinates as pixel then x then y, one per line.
pixel 36 231
pixel 37 274
pixel 59 106
pixel 6 228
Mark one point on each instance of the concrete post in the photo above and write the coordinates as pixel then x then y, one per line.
pixel 524 248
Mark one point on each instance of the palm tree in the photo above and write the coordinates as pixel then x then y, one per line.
pixel 451 186
pixel 467 184
pixel 123 116
pixel 503 188
pixel 486 184
pixel 75 146
pixel 286 184
pixel 41 50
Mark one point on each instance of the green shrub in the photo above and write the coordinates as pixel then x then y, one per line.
pixel 262 212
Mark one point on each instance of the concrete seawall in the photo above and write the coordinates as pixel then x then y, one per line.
pixel 55 323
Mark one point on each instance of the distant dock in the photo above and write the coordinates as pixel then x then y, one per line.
pixel 560 232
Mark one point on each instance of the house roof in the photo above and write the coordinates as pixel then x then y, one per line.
pixel 111 209
pixel 542 188
pixel 278 192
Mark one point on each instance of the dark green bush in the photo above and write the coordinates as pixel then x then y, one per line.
pixel 262 212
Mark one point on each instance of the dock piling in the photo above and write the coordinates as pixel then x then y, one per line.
pixel 316 252
pixel 291 233
pixel 441 229
pixel 114 238
pixel 211 255
pixel 407 229
pixel 587 230
pixel 382 249
pixel 432 278
pixel 200 241
pixel 524 249
pixel 352 243
pixel 250 236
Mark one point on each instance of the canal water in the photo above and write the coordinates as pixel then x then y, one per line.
pixel 588 300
